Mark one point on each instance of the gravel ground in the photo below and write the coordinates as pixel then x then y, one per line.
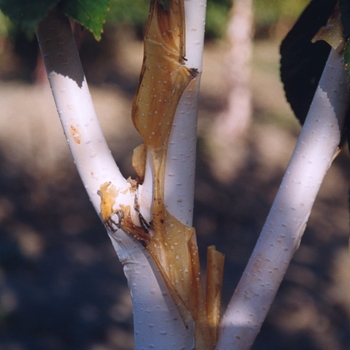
pixel 61 285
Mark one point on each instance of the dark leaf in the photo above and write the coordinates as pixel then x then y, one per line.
pixel 347 68
pixel 302 62
pixel 344 6
pixel 27 13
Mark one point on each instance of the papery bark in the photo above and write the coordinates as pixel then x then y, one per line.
pixel 165 77
pixel 156 318
pixel 286 222
pixel 234 121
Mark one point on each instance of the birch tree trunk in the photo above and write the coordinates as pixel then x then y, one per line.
pixel 157 322
pixel 232 124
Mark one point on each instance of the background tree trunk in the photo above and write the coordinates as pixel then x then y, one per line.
pixel 232 124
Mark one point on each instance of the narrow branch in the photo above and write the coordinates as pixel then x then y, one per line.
pixel 181 153
pixel 75 108
pixel 181 156
pixel 179 189
pixel 285 225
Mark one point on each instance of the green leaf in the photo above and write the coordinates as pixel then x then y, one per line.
pixel 89 13
pixel 27 13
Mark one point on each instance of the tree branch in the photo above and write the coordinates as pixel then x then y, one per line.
pixel 286 222
pixel 179 185
pixel 75 108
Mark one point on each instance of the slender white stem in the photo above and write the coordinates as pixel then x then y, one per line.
pixel 146 190
pixel 181 153
pixel 282 232
pixel 155 307
pixel 75 108
pixel 234 121
pixel 181 156
pixel 195 11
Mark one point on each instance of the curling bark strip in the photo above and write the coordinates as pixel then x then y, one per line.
pixel 153 313
pixel 166 238
pixel 164 78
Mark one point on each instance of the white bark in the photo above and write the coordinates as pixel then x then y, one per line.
pixel 75 108
pixel 181 154
pixel 156 318
pixel 158 324
pixel 232 124
pixel 282 232
pixel 179 196
pixel 235 119
pixel 167 329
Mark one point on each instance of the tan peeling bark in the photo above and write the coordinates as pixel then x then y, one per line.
pixel 171 244
pixel 139 161
pixel 108 194
pixel 117 201
pixel 163 76
pixel 332 32
pixel 215 270
pixel 162 81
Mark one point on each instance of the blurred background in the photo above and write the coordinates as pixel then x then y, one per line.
pixel 61 284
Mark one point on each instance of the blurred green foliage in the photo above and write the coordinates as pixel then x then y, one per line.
pixel 121 11
pixel 5 25
pixel 135 13
pixel 267 13
pixel 217 17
